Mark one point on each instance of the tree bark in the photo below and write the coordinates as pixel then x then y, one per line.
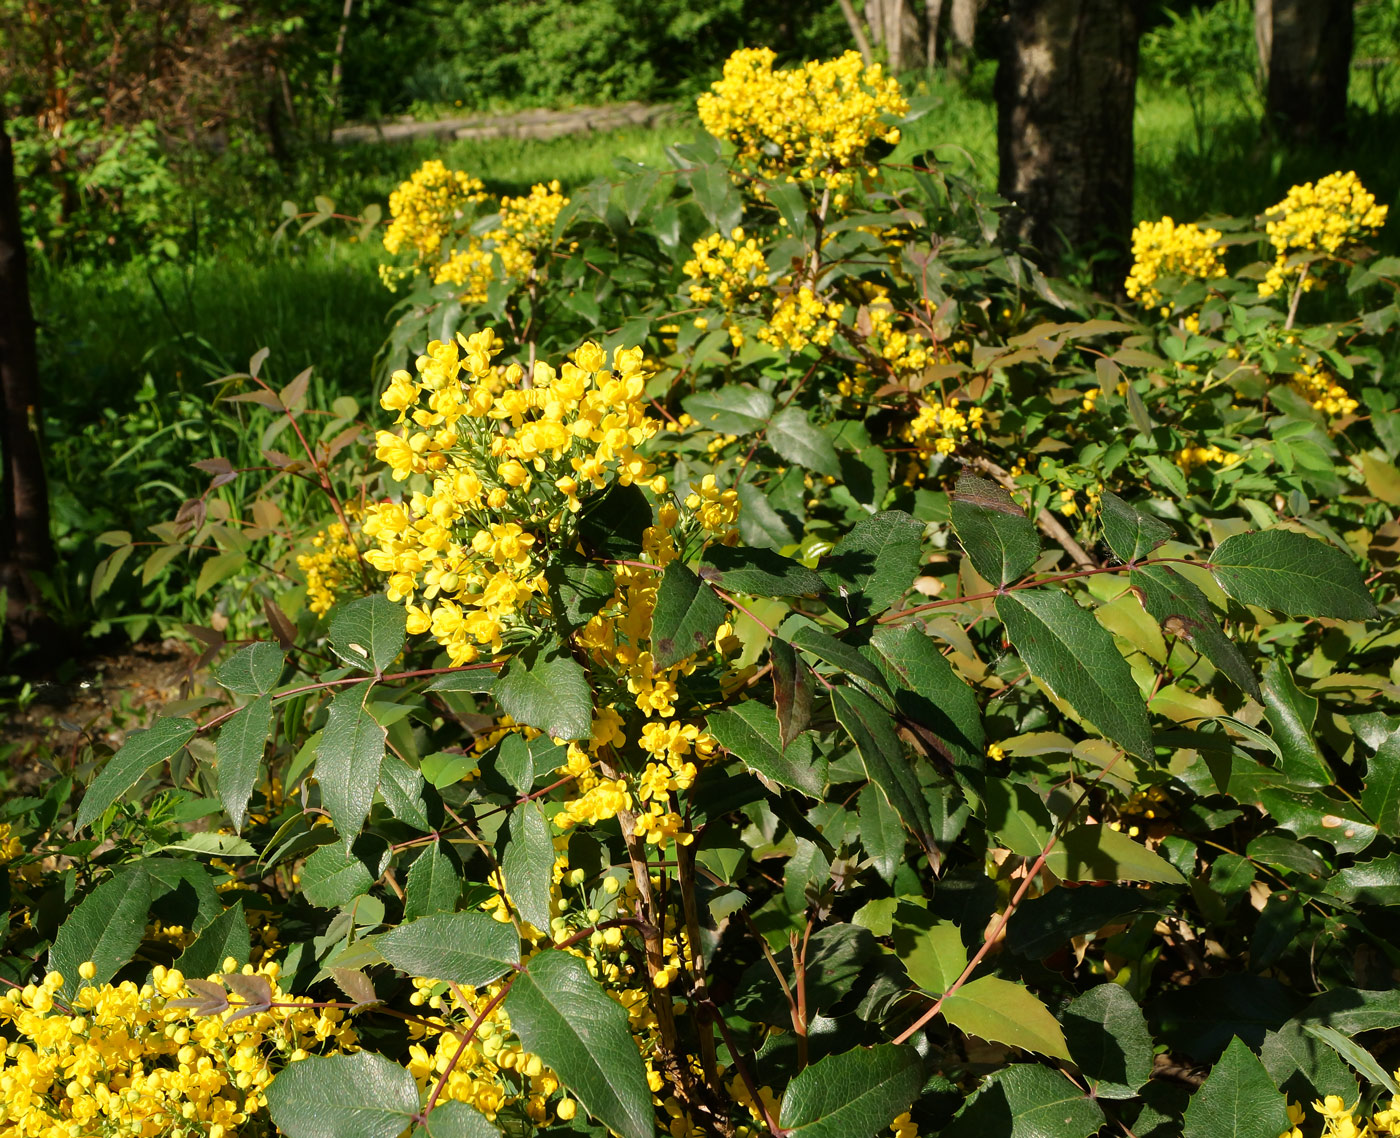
pixel 25 545
pixel 1065 93
pixel 933 16
pixel 895 28
pixel 962 31
pixel 857 31
pixel 1308 65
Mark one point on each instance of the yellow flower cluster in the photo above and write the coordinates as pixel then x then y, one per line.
pixel 1319 387
pixel 121 1063
pixel 1189 458
pixel 331 569
pixel 505 463
pixel 525 231
pixel 424 211
pixel 939 427
pixel 1341 1121
pixel 1318 217
pixel 810 122
pixel 733 266
pixel 799 318
pixel 1164 248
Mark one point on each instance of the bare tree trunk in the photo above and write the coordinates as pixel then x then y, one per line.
pixel 933 16
pixel 1264 37
pixel 962 30
pixel 857 31
pixel 1065 91
pixel 1308 68
pixel 337 65
pixel 895 28
pixel 25 545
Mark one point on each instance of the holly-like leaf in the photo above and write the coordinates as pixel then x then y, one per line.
pixel 360 1095
pixel 1002 1012
pixel 468 948
pixel 348 761
pixel 563 1016
pixel 1027 1100
pixel 1074 656
pixel 878 559
pixel 238 754
pixel 402 788
pixel 1237 1100
pixel 1381 797
pixel 932 952
pixel 881 833
pixel 433 885
pixel 528 864
pixel 223 937
pixel 792 691
pixel 1291 714
pixel 995 532
pixel 1109 1041
pixel 368 633
pixel 796 438
pixel 686 616
pixel 456 1119
pixel 357 986
pixel 1180 607
pixel 749 731
pixel 1303 1067
pixel 847 660
pixel 106 928
pixel 1130 533
pixel 1291 573
pixel 546 691
pixel 613 523
pixel 331 877
pixel 758 572
pixel 138 754
pixel 853 1094
pixel 732 410
pixel 578 587
pixel 253 670
pixel 885 758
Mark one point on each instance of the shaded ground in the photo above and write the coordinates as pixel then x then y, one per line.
pixel 96 700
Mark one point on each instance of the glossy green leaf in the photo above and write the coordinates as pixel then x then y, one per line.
pixel 1180 607
pixel 141 751
pixel 749 732
pixel 360 1095
pixel 878 559
pixel 1381 796
pixel 1290 573
pixel 455 1119
pixel 1291 715
pixel 105 927
pixel 854 1094
pixel 1027 1100
pixel 1354 1010
pixel 239 753
pixel 402 789
pixel 1356 1056
pixel 1096 852
pixel 932 952
pixel 732 410
pixel 1237 1100
pixel 881 834
pixel 1303 1067
pixel 1109 1041
pixel 434 884
pixel 331 877
pixel 226 935
pixel 1373 882
pixel 758 572
pixel 348 761
pixel 563 1016
pixel 1002 1012
pixel 792 691
pixel 1074 656
pixel 994 532
pixel 468 948
pixel 578 588
pixel 1130 533
pixel 686 616
pixel 528 863
pixel 796 438
pixel 847 660
pixel 253 670
pixel 548 692
pixel 368 633
pixel 886 760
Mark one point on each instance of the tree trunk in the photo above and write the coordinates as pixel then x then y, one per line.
pixel 933 16
pixel 24 504
pixel 1264 38
pixel 1309 45
pixel 895 28
pixel 1065 91
pixel 857 31
pixel 962 31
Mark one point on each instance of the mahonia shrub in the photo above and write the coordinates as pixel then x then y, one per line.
pixel 774 663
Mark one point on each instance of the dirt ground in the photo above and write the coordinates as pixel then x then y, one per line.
pixel 97 698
